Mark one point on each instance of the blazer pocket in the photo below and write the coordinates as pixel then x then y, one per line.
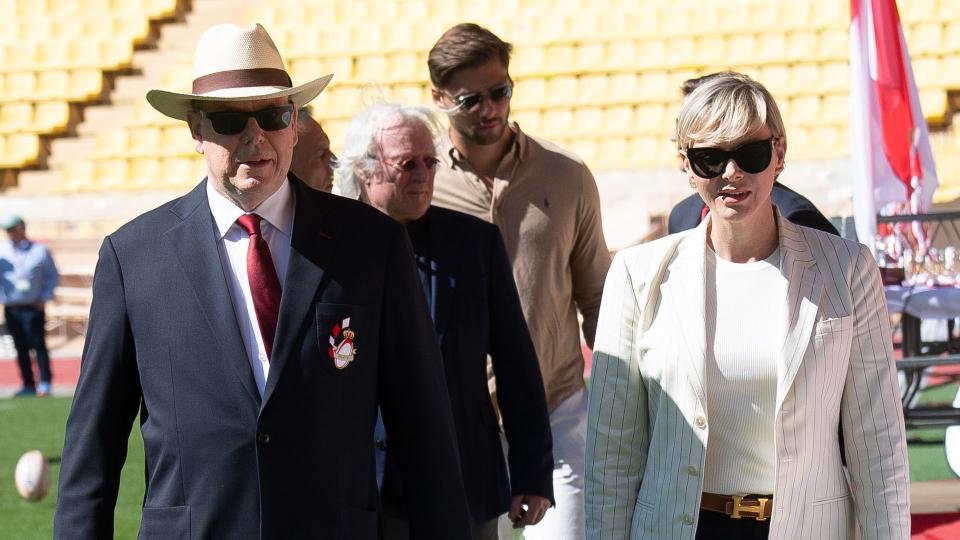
pixel 831 499
pixel 166 523
pixel 341 337
pixel 358 523
pixel 829 326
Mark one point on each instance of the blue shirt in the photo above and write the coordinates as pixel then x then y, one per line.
pixel 27 273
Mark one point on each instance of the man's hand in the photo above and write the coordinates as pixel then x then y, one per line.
pixel 527 510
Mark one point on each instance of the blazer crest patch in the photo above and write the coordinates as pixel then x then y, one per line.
pixel 343 351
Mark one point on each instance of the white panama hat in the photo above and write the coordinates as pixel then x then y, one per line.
pixel 236 64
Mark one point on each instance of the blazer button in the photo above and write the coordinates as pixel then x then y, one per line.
pixel 687 519
pixel 692 471
pixel 700 422
pixel 263 438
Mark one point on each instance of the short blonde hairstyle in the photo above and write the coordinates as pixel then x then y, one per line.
pixel 724 108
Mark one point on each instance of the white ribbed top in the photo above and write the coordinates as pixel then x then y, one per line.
pixel 746 324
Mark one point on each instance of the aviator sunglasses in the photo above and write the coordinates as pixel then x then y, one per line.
pixel 467 102
pixel 410 164
pixel 234 122
pixel 752 157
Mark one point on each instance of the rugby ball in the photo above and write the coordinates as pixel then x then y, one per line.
pixel 32 475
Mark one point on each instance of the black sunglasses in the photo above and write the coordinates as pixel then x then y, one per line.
pixel 467 102
pixel 233 122
pixel 752 157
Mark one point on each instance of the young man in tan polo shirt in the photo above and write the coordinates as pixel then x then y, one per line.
pixel 545 202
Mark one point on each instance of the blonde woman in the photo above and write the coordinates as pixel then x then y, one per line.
pixel 727 355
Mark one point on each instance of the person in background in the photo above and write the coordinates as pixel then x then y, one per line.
pixel 312 159
pixel 546 204
pixel 28 277
pixel 389 160
pixel 689 212
pixel 727 355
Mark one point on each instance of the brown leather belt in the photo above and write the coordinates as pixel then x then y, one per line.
pixel 737 507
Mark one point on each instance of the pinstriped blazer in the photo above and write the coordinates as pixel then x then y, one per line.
pixel 648 426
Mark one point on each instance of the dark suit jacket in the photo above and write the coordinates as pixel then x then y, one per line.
pixel 476 310
pixel 220 462
pixel 793 206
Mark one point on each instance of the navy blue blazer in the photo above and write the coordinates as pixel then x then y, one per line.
pixel 476 310
pixel 220 461
pixel 792 205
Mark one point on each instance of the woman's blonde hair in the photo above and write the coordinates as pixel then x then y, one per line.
pixel 726 107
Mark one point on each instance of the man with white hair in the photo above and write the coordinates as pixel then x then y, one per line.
pixel 389 160
pixel 253 326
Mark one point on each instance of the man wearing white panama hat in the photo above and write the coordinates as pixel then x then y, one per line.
pixel 255 325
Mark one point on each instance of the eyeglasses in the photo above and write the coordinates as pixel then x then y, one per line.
pixel 467 102
pixel 752 157
pixel 410 164
pixel 234 122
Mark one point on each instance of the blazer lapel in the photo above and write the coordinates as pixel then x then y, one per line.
pixel 311 246
pixel 684 295
pixel 805 286
pixel 194 242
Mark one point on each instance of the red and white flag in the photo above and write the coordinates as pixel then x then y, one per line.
pixel 893 169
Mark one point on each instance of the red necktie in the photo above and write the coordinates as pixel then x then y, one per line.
pixel 264 284
pixel 704 212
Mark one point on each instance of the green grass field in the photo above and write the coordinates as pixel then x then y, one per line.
pixel 38 423
pixel 30 423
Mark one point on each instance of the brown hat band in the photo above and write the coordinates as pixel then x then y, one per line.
pixel 241 78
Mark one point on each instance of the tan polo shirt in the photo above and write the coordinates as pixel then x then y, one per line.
pixel 546 204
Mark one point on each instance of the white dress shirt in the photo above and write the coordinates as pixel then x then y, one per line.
pixel 277 228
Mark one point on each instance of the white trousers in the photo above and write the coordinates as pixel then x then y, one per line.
pixel 565 521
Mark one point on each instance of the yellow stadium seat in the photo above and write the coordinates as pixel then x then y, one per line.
pixel 651 118
pixel 409 94
pixel 712 51
pixel 950 73
pixel 682 52
pixel 590 57
pixel 584 148
pixel 770 48
pixel 925 38
pixel 179 171
pixel 951 37
pixel 371 68
pixel 406 67
pixel 651 54
pixel 655 86
pixel 588 121
pixel 78 176
pixel 529 93
pixel 559 58
pixel 528 120
pixel 801 46
pixel 833 44
pixel 804 110
pixel 835 109
pixel 51 116
pixel 21 149
pixel 527 61
pixel 561 90
pixel 19 86
pixel 622 54
pixel 611 153
pixel 176 140
pixel 927 72
pixel 145 173
pixel 85 84
pixel 111 174
pixel 740 49
pixel 916 11
pixel 764 15
pixel 776 78
pixel 558 123
pixel 143 141
pixel 834 77
pixel 619 120
pixel 934 104
pixel 830 15
pixel 803 78
pixel 111 143
pixel 624 88
pixel 15 117
pixel 592 89
pixel 53 84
